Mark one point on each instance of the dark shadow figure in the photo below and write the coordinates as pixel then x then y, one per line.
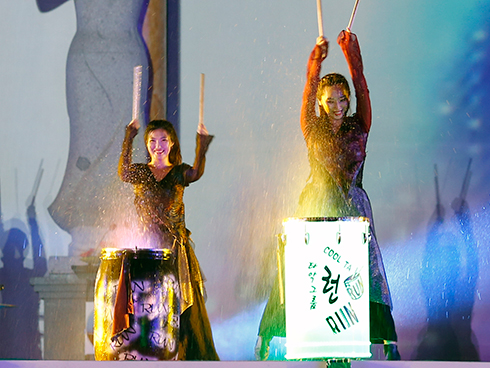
pixel 438 278
pixel 465 291
pixel 20 336
pixel 448 277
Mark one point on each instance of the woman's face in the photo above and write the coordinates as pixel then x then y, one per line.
pixel 159 144
pixel 335 102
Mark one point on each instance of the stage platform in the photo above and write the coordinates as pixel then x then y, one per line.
pixel 234 364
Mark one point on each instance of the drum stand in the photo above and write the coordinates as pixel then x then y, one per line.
pixel 338 363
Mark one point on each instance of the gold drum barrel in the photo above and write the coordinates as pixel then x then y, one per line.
pixel 153 332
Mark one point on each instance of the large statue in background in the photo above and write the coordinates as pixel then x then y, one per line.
pixel 99 75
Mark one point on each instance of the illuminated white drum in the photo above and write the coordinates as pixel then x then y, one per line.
pixel 327 287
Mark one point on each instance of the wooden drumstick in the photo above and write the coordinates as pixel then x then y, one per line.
pixel 137 75
pixel 201 101
pixel 353 15
pixel 320 17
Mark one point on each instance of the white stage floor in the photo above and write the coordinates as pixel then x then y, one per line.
pixel 236 364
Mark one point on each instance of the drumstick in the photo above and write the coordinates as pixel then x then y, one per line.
pixel 137 72
pixel 320 18
pixel 201 101
pixel 32 197
pixel 353 15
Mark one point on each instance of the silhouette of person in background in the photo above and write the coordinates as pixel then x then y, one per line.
pixel 449 274
pixel 438 277
pixel 20 336
pixel 469 271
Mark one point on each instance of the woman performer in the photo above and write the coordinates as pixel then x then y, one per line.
pixel 336 146
pixel 159 189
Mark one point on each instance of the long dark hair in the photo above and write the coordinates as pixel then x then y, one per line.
pixel 332 79
pixel 174 156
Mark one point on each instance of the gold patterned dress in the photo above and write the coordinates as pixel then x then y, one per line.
pixel 160 207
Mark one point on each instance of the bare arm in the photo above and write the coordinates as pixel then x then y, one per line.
pixel 318 54
pixel 352 52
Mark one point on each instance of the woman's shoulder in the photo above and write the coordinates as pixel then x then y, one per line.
pixel 136 173
pixel 140 167
pixel 317 125
pixel 176 176
pixel 182 167
pixel 179 170
pixel 355 123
